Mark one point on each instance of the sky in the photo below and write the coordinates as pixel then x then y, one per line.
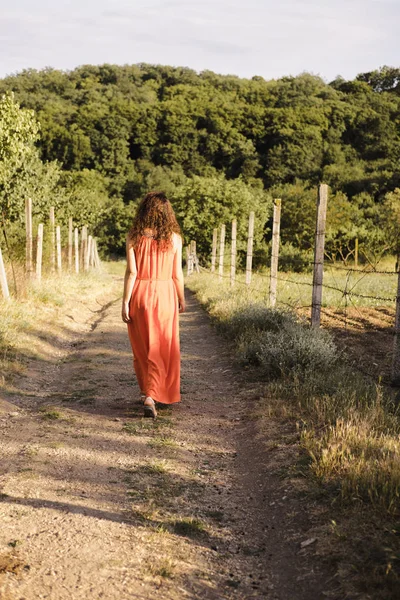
pixel 269 38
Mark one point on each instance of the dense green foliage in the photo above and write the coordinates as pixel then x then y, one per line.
pixel 18 132
pixel 82 194
pixel 142 127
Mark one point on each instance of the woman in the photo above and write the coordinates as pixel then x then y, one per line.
pixel 153 297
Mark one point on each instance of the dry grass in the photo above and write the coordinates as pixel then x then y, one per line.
pixel 361 461
pixel 162 567
pixel 31 322
pixel 295 289
pixel 348 425
pixel 358 447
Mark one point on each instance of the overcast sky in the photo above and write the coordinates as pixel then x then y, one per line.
pixel 271 38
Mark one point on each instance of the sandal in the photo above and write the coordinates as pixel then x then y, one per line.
pixel 150 409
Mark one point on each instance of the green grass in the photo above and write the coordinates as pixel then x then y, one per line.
pixel 162 441
pixel 50 413
pixel 295 289
pixel 156 467
pixel 188 526
pixel 114 267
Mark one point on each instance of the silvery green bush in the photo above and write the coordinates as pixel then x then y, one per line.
pixel 255 318
pixel 278 343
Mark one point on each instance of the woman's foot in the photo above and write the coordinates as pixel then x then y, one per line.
pixel 150 408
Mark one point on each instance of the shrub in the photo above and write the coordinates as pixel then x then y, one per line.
pixel 280 344
pixel 256 318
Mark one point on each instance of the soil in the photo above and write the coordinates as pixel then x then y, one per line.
pixel 97 502
pixel 366 335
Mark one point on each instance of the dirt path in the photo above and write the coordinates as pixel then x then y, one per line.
pixel 96 502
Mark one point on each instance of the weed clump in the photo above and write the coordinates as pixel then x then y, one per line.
pixel 189 527
pixel 163 567
pixel 50 413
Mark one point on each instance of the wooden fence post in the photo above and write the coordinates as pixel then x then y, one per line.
pixel 91 257
pixel 81 249
pixel 322 203
pixel 193 253
pixel 233 252
pixel 83 246
pixel 58 244
pixel 96 256
pixel 214 250
pixel 3 279
pixel 70 239
pixel 276 226
pixel 195 263
pixel 249 258
pixel 188 261
pixel 39 252
pixel 76 240
pixel 356 253
pixel 396 343
pixel 52 240
pixel 29 237
pixel 87 252
pixel 221 252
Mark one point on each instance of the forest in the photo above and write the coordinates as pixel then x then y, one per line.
pixel 97 138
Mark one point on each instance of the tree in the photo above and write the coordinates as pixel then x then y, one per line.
pixel 385 79
pixel 147 126
pixel 298 213
pixel 204 203
pixel 86 197
pixel 345 222
pixel 390 221
pixel 18 132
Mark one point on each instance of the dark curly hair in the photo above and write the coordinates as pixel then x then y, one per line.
pixel 156 213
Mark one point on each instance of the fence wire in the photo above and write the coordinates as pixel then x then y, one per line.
pixel 345 317
pixel 346 312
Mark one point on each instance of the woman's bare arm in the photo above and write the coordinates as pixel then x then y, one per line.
pixel 129 280
pixel 177 274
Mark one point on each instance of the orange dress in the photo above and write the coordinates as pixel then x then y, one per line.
pixel 154 323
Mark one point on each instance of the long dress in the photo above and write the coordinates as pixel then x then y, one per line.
pixel 154 322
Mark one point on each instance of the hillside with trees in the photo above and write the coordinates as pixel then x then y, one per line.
pixel 218 145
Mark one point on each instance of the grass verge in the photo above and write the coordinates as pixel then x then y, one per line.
pixel 365 287
pixel 34 325
pixel 348 426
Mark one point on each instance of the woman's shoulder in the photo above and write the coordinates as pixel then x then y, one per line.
pixel 176 240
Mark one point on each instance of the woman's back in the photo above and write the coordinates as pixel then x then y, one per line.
pixel 153 261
